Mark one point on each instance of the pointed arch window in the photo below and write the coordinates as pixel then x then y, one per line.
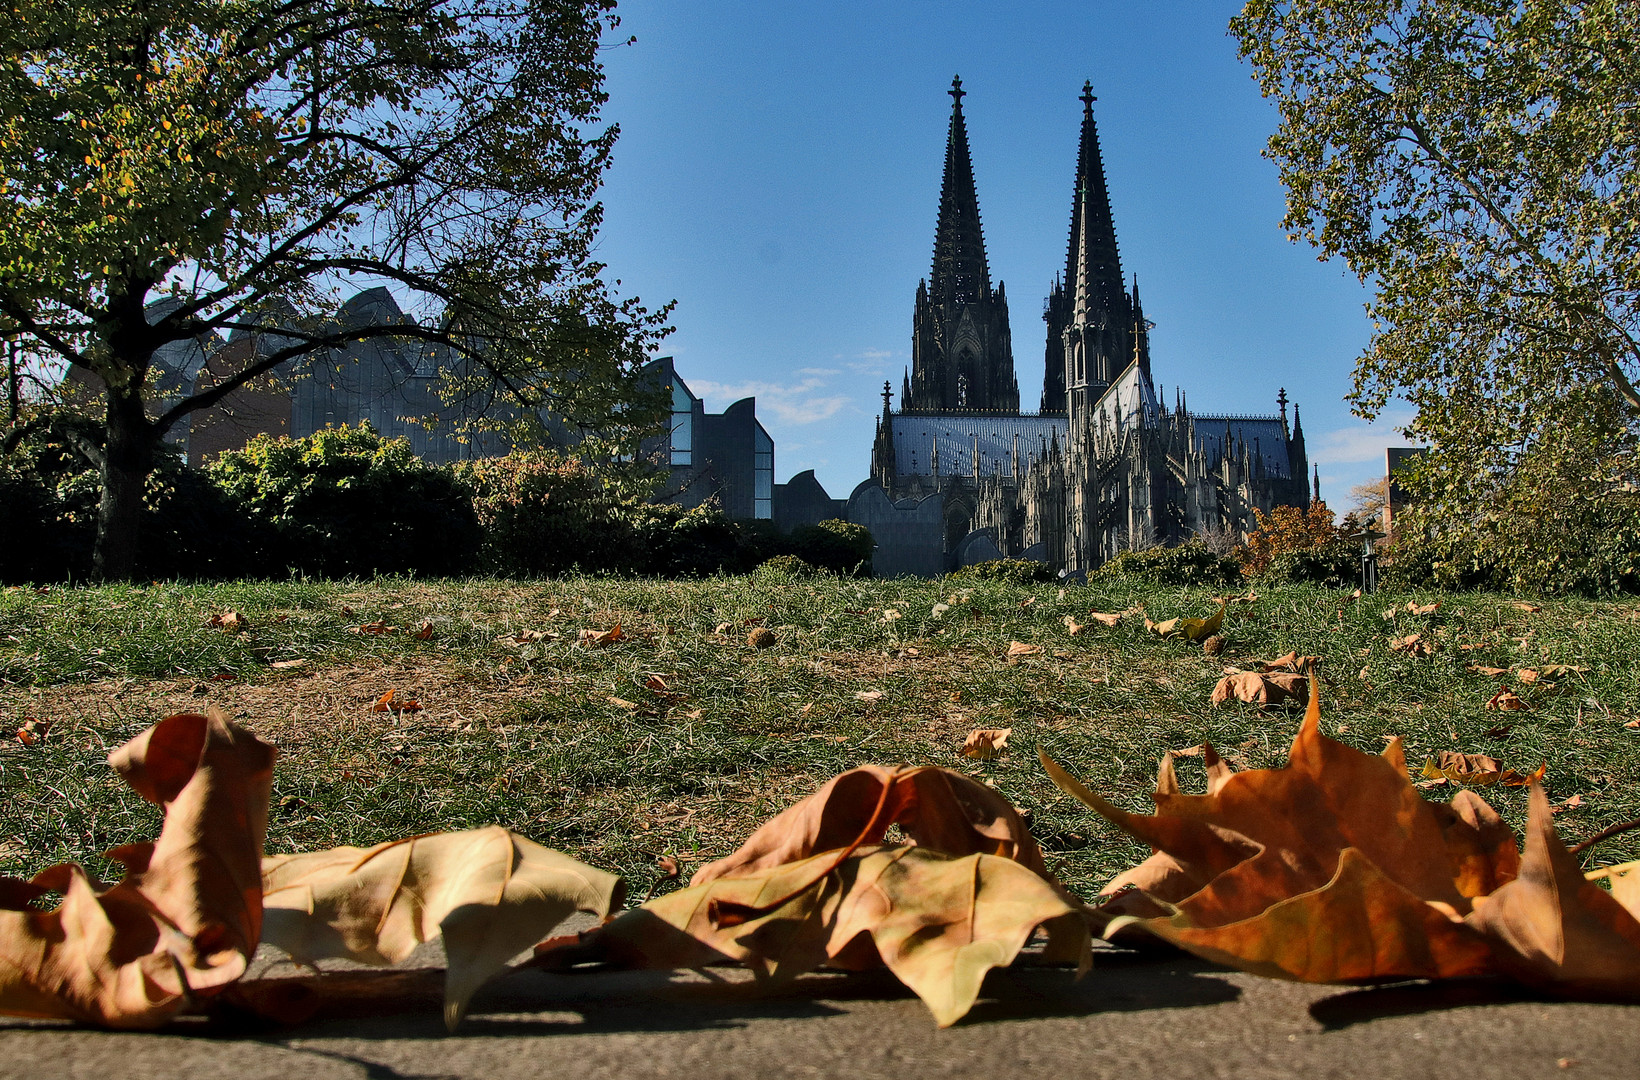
pixel 683 425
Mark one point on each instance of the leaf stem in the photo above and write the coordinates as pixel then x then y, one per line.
pixel 1603 834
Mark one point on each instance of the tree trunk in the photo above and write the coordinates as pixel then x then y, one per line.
pixel 128 455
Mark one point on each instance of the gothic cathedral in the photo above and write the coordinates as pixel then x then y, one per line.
pixel 1103 466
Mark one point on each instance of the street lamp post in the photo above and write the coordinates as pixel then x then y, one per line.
pixel 1369 558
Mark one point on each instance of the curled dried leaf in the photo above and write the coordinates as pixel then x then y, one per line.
pixel 1506 700
pixel 1017 649
pixel 762 638
pixel 986 743
pixel 1258 688
pixel 597 639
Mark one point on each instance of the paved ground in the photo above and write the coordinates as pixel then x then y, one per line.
pixel 1132 1017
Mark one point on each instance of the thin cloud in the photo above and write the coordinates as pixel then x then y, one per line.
pixel 1361 443
pixel 798 403
pixel 818 371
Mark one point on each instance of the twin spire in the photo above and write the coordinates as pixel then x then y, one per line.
pixel 960 273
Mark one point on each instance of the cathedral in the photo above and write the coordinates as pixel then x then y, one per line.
pixel 959 474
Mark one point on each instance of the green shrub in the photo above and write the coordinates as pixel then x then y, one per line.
pixel 1333 565
pixel 346 502
pixel 1012 571
pixel 190 528
pixel 1190 563
pixel 675 542
pixel 543 513
pixel 836 546
pixel 784 567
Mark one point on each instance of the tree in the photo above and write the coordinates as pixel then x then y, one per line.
pixel 244 160
pixel 1475 162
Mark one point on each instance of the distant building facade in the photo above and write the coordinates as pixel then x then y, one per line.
pixel 959 473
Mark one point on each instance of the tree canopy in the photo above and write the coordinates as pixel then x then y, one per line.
pixel 247 160
pixel 1475 163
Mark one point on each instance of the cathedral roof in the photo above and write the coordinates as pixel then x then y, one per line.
pixel 1130 399
pixel 1262 435
pixel 915 437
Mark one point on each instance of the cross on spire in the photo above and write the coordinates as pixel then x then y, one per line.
pixel 957 92
pixel 1087 96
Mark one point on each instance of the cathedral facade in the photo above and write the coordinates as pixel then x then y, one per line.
pixel 959 473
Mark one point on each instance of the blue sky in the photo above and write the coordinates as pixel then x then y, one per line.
pixel 778 174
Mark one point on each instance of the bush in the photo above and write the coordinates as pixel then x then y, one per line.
pixel 1191 563
pixel 542 513
pixel 1294 546
pixel 346 502
pixel 1333 565
pixel 784 567
pixel 674 542
pixel 190 529
pixel 1012 571
pixel 836 546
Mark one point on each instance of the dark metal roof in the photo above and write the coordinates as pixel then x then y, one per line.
pixel 915 437
pixel 1263 436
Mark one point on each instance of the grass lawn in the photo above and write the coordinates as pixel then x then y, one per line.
pixel 678 740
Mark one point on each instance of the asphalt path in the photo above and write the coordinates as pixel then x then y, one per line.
pixel 1133 1017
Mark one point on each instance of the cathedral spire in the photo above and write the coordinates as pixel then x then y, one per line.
pixel 1093 267
pixel 960 270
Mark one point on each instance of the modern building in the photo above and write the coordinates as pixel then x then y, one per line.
pixel 959 473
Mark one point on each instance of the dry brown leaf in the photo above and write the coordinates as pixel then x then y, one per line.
pixel 1555 930
pixel 1624 879
pixel 1017 649
pixel 1356 595
pixel 870 697
pixel 935 807
pixel 1413 645
pixel 287 665
pixel 1422 609
pixel 986 743
pixel 229 622
pixel 1331 868
pixel 1249 598
pixel 489 893
pixel 762 638
pixel 396 701
pixel 1530 609
pixel 1489 672
pixel 1476 770
pixel 723 629
pixel 1188 629
pixel 597 639
pixel 1072 627
pixel 622 703
pixel 1261 689
pixel 425 632
pixel 375 629
pixel 1103 619
pixel 185 919
pixel 1213 645
pixel 32 731
pixel 1505 700
pixel 1292 662
pixel 939 922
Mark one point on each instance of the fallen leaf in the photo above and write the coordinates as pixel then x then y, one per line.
pixel 1567 804
pixel 1249 598
pixel 1527 676
pixel 229 622
pixel 1331 868
pixel 488 893
pixel 597 639
pixel 939 610
pixel 1489 672
pixel 1017 649
pixel 224 676
pixel 723 629
pixel 1530 609
pixel 1505 700
pixel 1624 879
pixel 892 615
pixel 762 638
pixel 1555 930
pixel 376 629
pixel 1413 645
pixel 936 808
pixel 396 701
pixel 870 697
pixel 937 922
pixel 1356 595
pixel 1103 619
pixel 1291 662
pixel 1072 627
pixel 1476 770
pixel 286 665
pixel 1261 689
pixel 1213 646
pixel 1422 609
pixel 425 632
pixel 184 920
pixel 986 743
pixel 32 731
pixel 622 703
pixel 1188 629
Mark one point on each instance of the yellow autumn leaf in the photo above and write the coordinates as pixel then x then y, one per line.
pixel 489 893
